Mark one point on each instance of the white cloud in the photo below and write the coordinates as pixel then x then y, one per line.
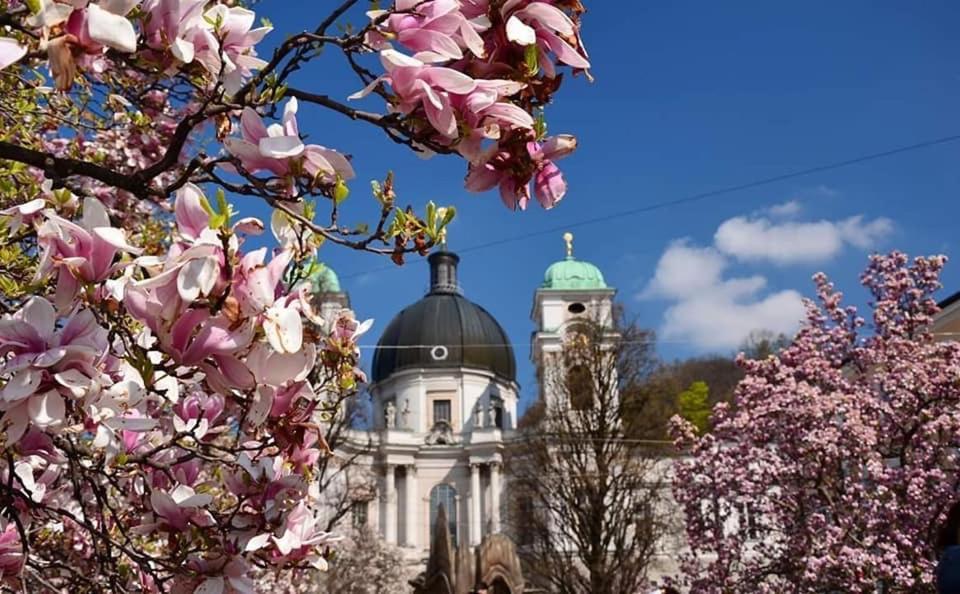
pixel 760 239
pixel 684 269
pixel 715 313
pixel 714 310
pixel 786 210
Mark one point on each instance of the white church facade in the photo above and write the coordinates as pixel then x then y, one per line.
pixel 445 403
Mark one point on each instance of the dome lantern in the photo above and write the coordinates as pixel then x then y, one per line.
pixel 571 274
pixel 444 330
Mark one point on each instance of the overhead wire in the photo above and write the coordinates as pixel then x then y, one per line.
pixel 695 197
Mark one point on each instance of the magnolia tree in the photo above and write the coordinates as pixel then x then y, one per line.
pixel 836 464
pixel 164 390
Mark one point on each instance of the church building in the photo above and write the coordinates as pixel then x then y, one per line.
pixel 445 401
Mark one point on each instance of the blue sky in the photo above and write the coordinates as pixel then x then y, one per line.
pixel 690 97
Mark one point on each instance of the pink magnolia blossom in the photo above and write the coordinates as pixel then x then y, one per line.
pixel 547 27
pixel 257 291
pixel 487 118
pixel 420 85
pixel 301 536
pixel 278 148
pixel 235 53
pixel 838 461
pixel 436 30
pixel 23 214
pixel 548 184
pixel 197 413
pixel 81 253
pixel 175 25
pixel 47 365
pixel 181 508
pixel 89 28
pixel 11 551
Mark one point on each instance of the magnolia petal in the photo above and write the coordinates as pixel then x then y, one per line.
pixel 257 542
pixel 75 381
pixel 519 32
pixel 50 357
pixel 14 423
pixel 511 114
pixel 24 472
pixel 262 403
pixel 94 214
pixel 363 327
pixel 444 119
pixel 549 186
pixel 197 278
pixel 188 210
pixel 116 238
pixel 451 80
pixel 111 30
pixel 391 58
pixel 549 16
pixel 47 410
pixel 280 147
pixel 367 89
pixel 287 542
pixel 121 7
pixel 11 52
pixel 23 384
pixel 39 313
pixel 182 50
pixel 249 225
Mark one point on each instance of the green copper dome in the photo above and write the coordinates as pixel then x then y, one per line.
pixel 572 274
pixel 324 280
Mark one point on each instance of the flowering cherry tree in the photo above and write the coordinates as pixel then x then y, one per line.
pixel 836 464
pixel 165 391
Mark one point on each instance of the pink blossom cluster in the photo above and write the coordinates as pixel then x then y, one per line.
pixel 278 149
pixel 837 463
pixel 478 74
pixel 193 382
pixel 77 35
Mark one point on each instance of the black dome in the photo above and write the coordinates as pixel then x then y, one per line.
pixel 471 337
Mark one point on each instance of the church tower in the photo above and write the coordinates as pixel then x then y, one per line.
pixel 444 397
pixel 328 297
pixel 573 292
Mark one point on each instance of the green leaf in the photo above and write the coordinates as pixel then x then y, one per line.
pixel 340 191
pixel 540 124
pixel 223 207
pixel 431 216
pixel 35 6
pixel 531 59
pixel 448 215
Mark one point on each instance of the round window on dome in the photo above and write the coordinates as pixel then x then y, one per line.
pixel 576 308
pixel 439 353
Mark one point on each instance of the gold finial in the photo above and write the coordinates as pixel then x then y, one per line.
pixel 568 238
pixel 443 232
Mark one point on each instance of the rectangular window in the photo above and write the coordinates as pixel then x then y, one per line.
pixel 358 512
pixel 442 411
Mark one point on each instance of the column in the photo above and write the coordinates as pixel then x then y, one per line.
pixel 412 520
pixel 390 498
pixel 495 497
pixel 474 504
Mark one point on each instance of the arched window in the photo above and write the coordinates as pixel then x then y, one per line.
pixel 446 495
pixel 580 387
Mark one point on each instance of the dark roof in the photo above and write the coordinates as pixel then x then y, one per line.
pixel 444 318
pixel 949 300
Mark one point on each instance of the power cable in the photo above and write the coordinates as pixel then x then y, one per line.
pixel 695 197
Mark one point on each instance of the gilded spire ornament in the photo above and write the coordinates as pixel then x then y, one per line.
pixel 568 238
